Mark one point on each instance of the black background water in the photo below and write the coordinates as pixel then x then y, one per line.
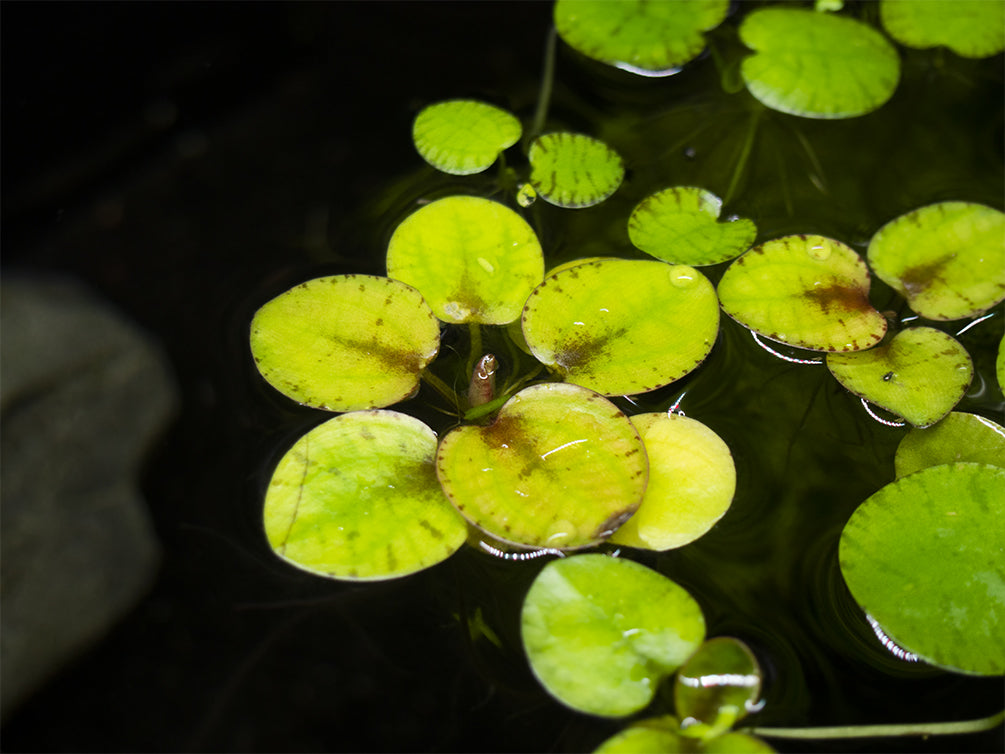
pixel 189 161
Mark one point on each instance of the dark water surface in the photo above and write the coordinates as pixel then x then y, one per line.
pixel 191 161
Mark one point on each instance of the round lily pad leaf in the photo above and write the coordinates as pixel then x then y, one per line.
pixel 920 374
pixel 474 260
pixel 574 171
pixel 601 632
pixel 970 28
pixel 681 225
pixel 662 735
pixel 715 687
pixel 925 557
pixel 817 65
pixel 691 483
pixel 946 259
pixel 357 498
pixel 622 326
pixel 1000 365
pixel 737 743
pixel 463 136
pixel 651 39
pixel 807 291
pixel 958 437
pixel 345 342
pixel 560 467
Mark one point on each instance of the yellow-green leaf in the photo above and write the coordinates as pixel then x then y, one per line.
pixel 463 136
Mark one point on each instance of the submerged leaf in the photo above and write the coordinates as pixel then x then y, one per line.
pixel 462 136
pixel 970 28
pixel 651 39
pixel 622 326
pixel 345 342
pixel 919 375
pixel 574 171
pixel 946 259
pixel 817 65
pixel 691 483
pixel 925 557
pixel 806 291
pixel 958 437
pixel 357 498
pixel 474 260
pixel 680 225
pixel 601 633
pixel 560 467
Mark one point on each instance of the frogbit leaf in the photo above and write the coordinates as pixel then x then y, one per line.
pixel 716 687
pixel 345 342
pixel 650 39
pixel 807 291
pixel 662 735
pixel 463 136
pixel 691 483
pixel 681 225
pixel 474 260
pixel 559 467
pixel 925 557
pixel 622 326
pixel 946 259
pixel 817 65
pixel 574 171
pixel 601 632
pixel 357 498
pixel 970 28
pixel 958 437
pixel 919 375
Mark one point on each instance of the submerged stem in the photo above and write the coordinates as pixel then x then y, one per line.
pixel 741 163
pixel 439 386
pixel 869 731
pixel 544 95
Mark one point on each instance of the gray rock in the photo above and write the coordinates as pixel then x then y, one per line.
pixel 82 394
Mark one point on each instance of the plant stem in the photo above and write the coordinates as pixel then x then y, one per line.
pixel 439 386
pixel 475 348
pixel 869 731
pixel 741 163
pixel 544 95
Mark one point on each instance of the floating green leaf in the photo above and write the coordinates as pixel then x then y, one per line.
pixel 345 342
pixel 662 735
pixel 474 260
pixel 715 687
pixel 946 259
pixel 601 633
pixel 691 483
pixel 958 437
pixel 970 28
pixel 651 39
pixel 919 375
pixel 573 170
pixel 1000 365
pixel 560 467
pixel 925 557
pixel 621 326
pixel 357 498
pixel 817 65
pixel 463 136
pixel 680 225
pixel 806 291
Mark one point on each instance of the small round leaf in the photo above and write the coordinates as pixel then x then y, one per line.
pixel 925 557
pixel 345 342
pixel 920 374
pixel 946 259
pixel 715 687
pixel 560 467
pixel 680 225
pixel 651 39
pixel 574 171
pixel 463 136
pixel 357 498
pixel 970 28
pixel 958 437
pixel 474 260
pixel 691 483
pixel 806 291
pixel 654 735
pixel 817 65
pixel 601 633
pixel 622 326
